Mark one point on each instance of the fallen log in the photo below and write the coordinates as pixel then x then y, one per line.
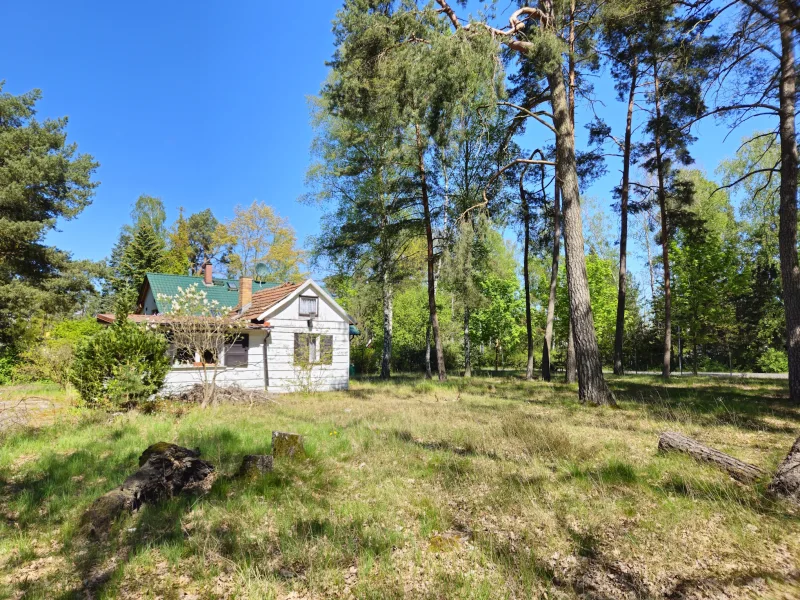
pixel 741 471
pixel 165 470
pixel 786 481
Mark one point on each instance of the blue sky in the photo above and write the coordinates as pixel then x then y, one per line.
pixel 203 104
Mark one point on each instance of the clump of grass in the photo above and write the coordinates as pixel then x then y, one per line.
pixel 424 388
pixel 617 471
pixel 548 441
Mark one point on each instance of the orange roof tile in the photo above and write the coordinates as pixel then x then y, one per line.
pixel 163 320
pixel 264 299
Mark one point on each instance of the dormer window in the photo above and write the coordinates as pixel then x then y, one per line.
pixel 308 306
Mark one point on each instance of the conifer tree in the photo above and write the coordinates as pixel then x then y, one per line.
pixel 144 254
pixel 43 179
pixel 537 33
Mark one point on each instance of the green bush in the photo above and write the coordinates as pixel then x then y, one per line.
pixel 52 358
pixel 121 364
pixel 773 361
pixel 8 360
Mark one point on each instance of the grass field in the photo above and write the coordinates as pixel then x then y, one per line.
pixel 490 488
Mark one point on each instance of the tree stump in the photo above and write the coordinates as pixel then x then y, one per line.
pixel 254 465
pixel 741 471
pixel 165 471
pixel 287 444
pixel 786 481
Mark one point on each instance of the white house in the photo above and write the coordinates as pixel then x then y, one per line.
pixel 293 337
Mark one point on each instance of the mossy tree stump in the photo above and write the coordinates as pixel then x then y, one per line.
pixel 289 445
pixel 254 465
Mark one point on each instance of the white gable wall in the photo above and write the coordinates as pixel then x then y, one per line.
pixel 284 375
pixel 149 307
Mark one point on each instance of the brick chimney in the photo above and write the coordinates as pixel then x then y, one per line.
pixel 245 291
pixel 207 274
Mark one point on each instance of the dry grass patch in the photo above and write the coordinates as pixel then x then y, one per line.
pixel 490 488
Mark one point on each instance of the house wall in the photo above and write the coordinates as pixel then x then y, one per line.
pixel 249 377
pixel 284 375
pixel 149 307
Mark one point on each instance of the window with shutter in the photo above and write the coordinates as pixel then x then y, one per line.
pixel 308 306
pixel 326 349
pixel 236 351
pixel 301 349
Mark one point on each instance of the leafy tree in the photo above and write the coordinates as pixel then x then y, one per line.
pixel 178 259
pixel 372 224
pixel 759 307
pixel 42 179
pixel 706 268
pixel 257 234
pixel 757 73
pixel 603 292
pixel 499 323
pixel 207 239
pixel 397 59
pixel 677 61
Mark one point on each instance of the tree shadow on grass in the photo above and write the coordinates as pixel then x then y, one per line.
pixel 745 406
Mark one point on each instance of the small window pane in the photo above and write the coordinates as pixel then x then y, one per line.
pixel 308 306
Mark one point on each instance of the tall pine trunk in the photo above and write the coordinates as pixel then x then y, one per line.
pixel 467 346
pixel 434 317
pixel 526 221
pixel 666 366
pixel 386 357
pixel 428 371
pixel 787 228
pixel 592 386
pixel 619 333
pixel 570 366
pixel 551 301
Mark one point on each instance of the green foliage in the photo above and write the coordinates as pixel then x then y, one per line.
pixel 52 358
pixel 257 234
pixel 122 363
pixel 773 361
pixel 145 253
pixel 178 257
pixel 706 266
pixel 602 275
pixel 8 361
pixel 205 240
pixel 42 179
pixel 499 323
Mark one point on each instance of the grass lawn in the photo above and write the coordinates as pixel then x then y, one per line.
pixel 490 488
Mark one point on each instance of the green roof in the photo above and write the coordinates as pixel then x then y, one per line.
pixel 228 297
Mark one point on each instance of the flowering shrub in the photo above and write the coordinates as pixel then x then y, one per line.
pixel 199 329
pixel 191 301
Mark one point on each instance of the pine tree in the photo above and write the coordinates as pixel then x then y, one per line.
pixel 144 254
pixel 42 179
